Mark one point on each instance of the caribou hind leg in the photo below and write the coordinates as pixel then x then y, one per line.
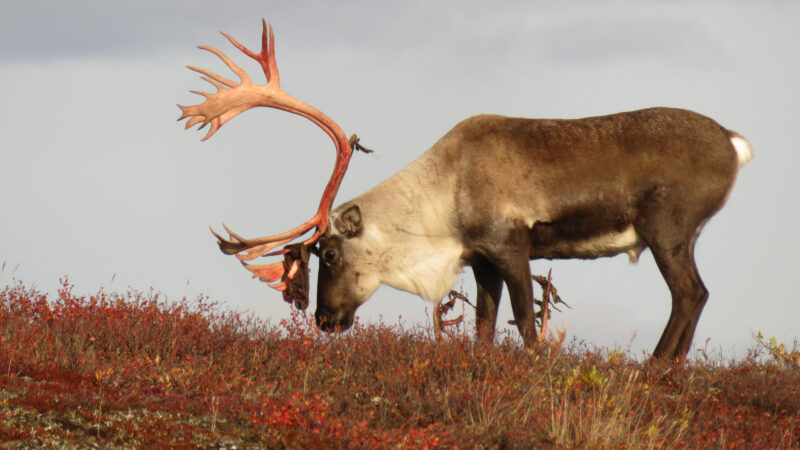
pixel 689 295
pixel 670 233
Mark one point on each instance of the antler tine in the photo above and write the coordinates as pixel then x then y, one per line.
pixel 253 248
pixel 212 77
pixel 267 56
pixel 228 62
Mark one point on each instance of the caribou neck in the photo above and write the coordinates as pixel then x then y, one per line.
pixel 408 220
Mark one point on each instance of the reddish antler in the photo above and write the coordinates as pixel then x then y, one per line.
pixel 233 98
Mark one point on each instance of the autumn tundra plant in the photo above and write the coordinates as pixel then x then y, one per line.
pixel 492 194
pixel 134 369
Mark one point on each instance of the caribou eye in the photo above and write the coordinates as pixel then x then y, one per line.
pixel 329 256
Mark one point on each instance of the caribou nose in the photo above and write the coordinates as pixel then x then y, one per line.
pixel 337 320
pixel 324 320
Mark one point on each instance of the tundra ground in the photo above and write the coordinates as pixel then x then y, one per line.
pixel 131 369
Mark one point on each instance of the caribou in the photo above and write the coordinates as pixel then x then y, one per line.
pixel 495 193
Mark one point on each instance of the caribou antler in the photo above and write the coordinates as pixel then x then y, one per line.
pixel 233 98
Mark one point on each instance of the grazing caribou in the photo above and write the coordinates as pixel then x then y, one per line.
pixel 492 194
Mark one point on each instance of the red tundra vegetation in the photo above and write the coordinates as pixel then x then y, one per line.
pixel 133 369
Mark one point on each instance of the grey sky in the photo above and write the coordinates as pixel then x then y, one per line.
pixel 98 179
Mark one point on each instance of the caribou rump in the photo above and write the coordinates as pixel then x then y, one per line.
pixel 496 192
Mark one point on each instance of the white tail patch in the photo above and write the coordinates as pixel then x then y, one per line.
pixel 743 150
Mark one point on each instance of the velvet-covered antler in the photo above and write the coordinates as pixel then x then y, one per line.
pixel 233 98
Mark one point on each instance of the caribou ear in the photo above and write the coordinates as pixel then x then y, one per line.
pixel 349 222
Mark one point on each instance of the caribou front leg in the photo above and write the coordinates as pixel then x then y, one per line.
pixel 510 257
pixel 520 290
pixel 490 288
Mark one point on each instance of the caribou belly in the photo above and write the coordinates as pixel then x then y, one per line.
pixel 600 245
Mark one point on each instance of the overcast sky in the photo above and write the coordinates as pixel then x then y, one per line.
pixel 99 182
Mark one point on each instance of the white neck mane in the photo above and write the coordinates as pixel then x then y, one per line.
pixel 414 246
pixel 422 265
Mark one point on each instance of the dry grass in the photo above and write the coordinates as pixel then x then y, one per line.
pixel 133 370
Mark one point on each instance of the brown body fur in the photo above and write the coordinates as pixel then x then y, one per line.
pixel 508 190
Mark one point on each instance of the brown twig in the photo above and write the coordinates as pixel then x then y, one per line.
pixel 549 291
pixel 443 308
pixel 550 298
pixel 544 282
pixel 355 144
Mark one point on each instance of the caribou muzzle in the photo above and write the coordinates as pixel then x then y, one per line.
pixel 334 321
